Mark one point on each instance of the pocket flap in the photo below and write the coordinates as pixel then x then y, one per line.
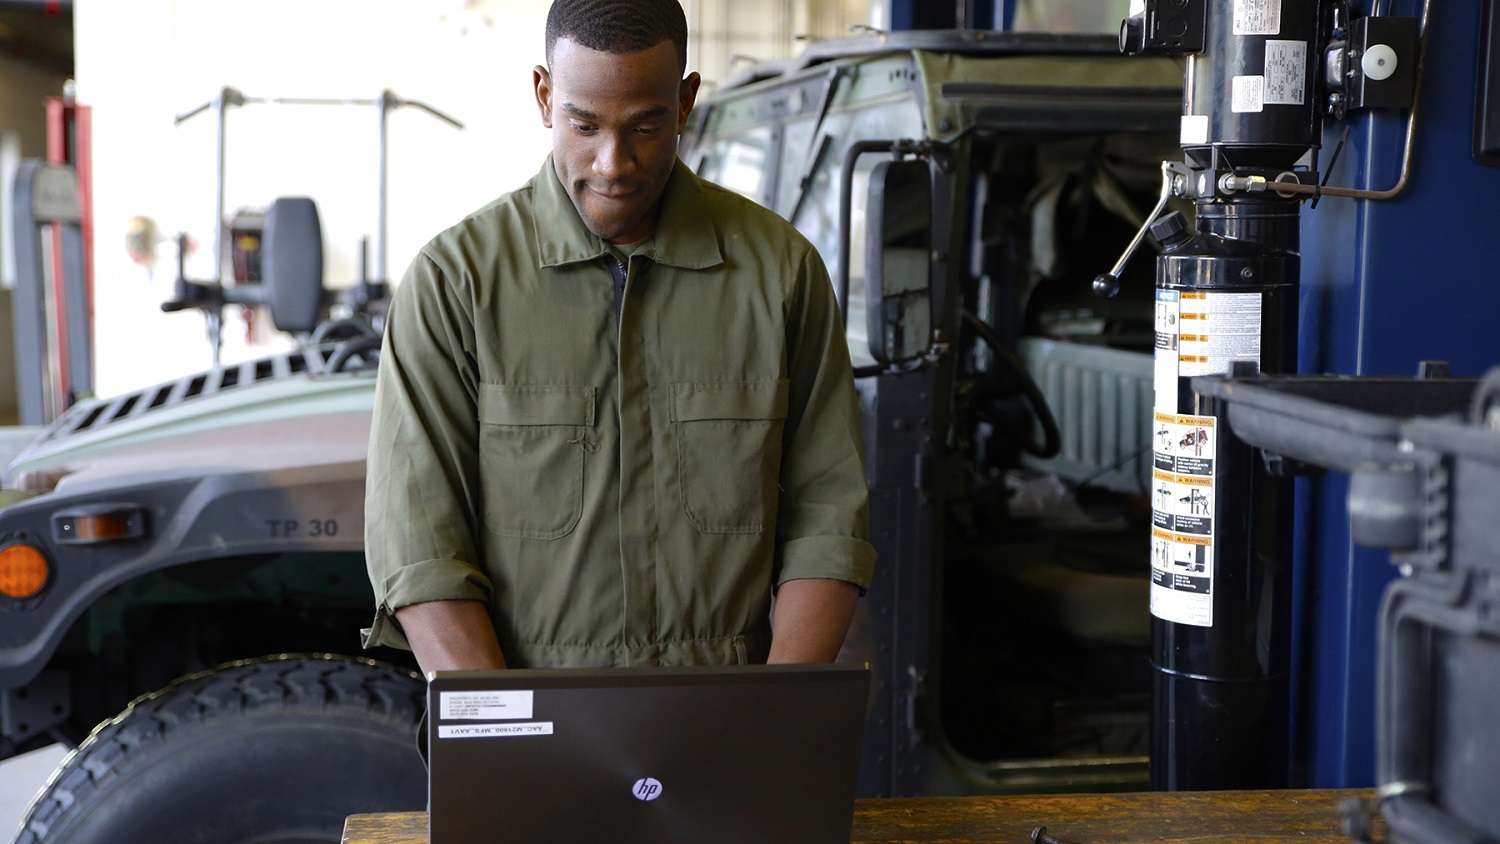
pixel 533 404
pixel 697 400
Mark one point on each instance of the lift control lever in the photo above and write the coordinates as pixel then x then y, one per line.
pixel 1173 181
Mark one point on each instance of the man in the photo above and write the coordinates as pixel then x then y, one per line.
pixel 615 409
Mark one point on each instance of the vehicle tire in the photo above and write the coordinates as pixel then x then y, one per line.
pixel 277 750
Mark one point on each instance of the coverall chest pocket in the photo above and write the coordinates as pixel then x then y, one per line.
pixel 533 442
pixel 729 452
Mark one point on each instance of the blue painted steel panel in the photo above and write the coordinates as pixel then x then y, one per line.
pixel 1385 285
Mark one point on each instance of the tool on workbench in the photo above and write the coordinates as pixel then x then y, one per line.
pixel 1040 836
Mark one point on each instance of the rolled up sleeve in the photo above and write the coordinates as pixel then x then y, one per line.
pixel 422 489
pixel 823 522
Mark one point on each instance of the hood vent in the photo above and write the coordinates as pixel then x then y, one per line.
pixel 96 414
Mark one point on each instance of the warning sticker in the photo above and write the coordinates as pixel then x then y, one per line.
pixel 536 728
pixel 1286 73
pixel 1168 334
pixel 484 706
pixel 1197 333
pixel 1257 17
pixel 1216 331
pixel 1247 94
pixel 1182 518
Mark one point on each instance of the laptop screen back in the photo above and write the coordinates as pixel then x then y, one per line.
pixel 636 755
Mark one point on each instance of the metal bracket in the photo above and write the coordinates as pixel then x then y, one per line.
pixel 1373 66
pixel 36 707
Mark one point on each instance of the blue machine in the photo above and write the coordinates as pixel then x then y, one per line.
pixel 1384 285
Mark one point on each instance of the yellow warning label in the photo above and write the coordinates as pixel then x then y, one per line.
pixel 1200 421
pixel 1183 538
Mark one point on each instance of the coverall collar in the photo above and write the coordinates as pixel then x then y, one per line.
pixel 683 237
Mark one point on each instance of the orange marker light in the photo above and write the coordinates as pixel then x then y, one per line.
pixel 23 571
pixel 99 528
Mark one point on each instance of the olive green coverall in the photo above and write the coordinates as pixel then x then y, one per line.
pixel 619 488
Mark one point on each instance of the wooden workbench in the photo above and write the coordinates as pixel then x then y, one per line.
pixel 1224 817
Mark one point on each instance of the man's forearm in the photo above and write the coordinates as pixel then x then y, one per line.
pixel 448 635
pixel 810 619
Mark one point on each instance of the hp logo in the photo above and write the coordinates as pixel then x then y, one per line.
pixel 646 789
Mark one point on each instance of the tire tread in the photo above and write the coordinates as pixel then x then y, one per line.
pixel 325 681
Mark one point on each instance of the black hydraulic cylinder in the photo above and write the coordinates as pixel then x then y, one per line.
pixel 1226 302
pixel 1221 579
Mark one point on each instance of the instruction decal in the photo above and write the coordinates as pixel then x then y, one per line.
pixel 1216 331
pixel 1168 337
pixel 1257 17
pixel 1286 73
pixel 461 731
pixel 1247 94
pixel 484 706
pixel 1182 524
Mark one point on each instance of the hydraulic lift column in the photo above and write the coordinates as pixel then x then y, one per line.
pixel 1226 301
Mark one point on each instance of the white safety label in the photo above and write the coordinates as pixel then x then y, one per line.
pixel 484 705
pixel 1257 17
pixel 1247 94
pixel 457 731
pixel 1182 523
pixel 1194 129
pixel 1168 335
pixel 1286 73
pixel 1216 331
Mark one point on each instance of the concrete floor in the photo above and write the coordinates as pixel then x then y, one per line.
pixel 20 779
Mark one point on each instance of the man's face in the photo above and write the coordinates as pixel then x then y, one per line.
pixel 615 119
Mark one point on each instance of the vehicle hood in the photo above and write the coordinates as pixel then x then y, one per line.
pixel 173 430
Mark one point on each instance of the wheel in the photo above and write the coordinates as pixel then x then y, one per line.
pixel 278 750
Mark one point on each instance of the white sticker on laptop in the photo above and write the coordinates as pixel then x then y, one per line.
pixel 535 728
pixel 484 706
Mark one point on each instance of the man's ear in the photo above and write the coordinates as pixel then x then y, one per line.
pixel 541 80
pixel 687 94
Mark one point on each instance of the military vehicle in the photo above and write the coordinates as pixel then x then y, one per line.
pixel 964 189
pixel 182 565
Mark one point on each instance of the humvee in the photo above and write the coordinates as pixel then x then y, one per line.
pixel 965 188
pixel 182 565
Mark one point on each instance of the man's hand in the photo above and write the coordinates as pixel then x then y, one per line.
pixel 810 619
pixel 448 635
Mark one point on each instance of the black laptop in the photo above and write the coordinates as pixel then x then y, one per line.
pixel 752 754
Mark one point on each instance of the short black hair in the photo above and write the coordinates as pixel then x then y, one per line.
pixel 618 26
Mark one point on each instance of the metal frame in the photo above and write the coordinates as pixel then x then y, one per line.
pixel 53 343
